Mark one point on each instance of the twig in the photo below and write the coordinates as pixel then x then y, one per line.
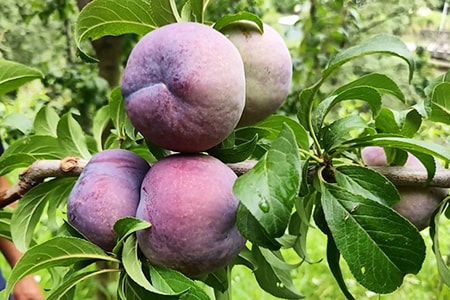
pixel 72 166
pixel 37 172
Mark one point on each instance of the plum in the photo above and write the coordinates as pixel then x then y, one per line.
pixel 268 69
pixel 189 200
pixel 184 87
pixel 108 189
pixel 417 204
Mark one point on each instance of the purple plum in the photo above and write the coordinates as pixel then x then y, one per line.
pixel 184 87
pixel 189 200
pixel 268 69
pixel 108 189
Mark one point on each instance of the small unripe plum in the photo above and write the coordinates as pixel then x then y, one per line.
pixel 184 87
pixel 189 201
pixel 268 69
pixel 107 189
pixel 417 204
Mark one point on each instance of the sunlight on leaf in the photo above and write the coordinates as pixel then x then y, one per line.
pixel 13 75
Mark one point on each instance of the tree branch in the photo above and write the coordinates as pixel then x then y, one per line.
pixel 41 170
pixel 37 173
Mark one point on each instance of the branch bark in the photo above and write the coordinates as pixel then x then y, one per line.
pixel 41 170
pixel 37 173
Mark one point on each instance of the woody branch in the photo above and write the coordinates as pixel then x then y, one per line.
pixel 41 170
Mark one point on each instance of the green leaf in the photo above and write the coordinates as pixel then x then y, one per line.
pixel 218 279
pixel 246 258
pixel 13 75
pixel 175 283
pixel 36 146
pixel 46 121
pixel 269 190
pixel 341 130
pixel 365 93
pixel 129 290
pixel 270 128
pixel 156 150
pixel 237 17
pixel 276 260
pixel 234 153
pixel 333 258
pixel 57 199
pixel 355 180
pixel 5 224
pixel 70 283
pixel 118 114
pixel 381 82
pixel 249 226
pixel 57 252
pixel 17 121
pixel 413 145
pixel 428 162
pixel 306 100
pixel 406 122
pixel 30 208
pixel 133 266
pixel 300 224
pixel 186 14
pixel 379 246
pixel 164 12
pixel 440 103
pixel 273 280
pixel 71 137
pixel 100 123
pixel 436 81
pixel 381 44
pixel 442 266
pixel 126 226
pixel 101 18
pixel 14 161
pixel 198 9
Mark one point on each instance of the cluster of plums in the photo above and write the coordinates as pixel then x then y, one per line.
pixel 186 87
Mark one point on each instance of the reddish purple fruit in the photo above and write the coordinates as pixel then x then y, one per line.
pixel 268 69
pixel 189 201
pixel 417 204
pixel 108 189
pixel 184 87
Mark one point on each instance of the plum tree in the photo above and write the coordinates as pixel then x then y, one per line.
pixel 189 200
pixel 184 87
pixel 107 190
pixel 417 204
pixel 268 69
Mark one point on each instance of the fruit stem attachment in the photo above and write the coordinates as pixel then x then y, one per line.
pixel 311 155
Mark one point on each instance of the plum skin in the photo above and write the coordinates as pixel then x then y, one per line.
pixel 417 204
pixel 107 189
pixel 184 87
pixel 189 201
pixel 268 69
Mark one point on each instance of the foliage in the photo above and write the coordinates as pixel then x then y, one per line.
pixel 279 198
